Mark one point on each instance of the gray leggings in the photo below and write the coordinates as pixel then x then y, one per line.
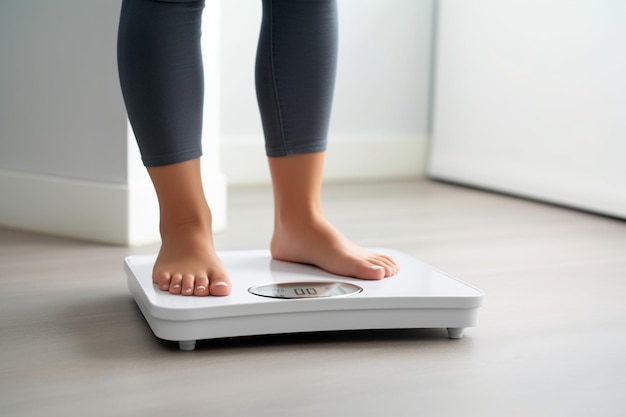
pixel 160 69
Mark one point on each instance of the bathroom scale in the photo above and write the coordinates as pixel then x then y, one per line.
pixel 273 297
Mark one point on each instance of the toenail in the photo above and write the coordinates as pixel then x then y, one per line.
pixel 188 291
pixel 376 267
pixel 176 286
pixel 221 284
pixel 200 288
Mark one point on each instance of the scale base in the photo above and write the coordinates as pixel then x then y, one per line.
pixel 419 296
pixel 453 333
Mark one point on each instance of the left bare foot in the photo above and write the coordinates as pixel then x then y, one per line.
pixel 315 241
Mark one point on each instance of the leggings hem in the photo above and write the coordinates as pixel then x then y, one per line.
pixel 161 160
pixel 278 151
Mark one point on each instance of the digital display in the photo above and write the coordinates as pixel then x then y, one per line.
pixel 305 289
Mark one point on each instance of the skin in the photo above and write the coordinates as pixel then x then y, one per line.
pixel 187 263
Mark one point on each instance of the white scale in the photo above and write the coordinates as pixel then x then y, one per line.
pixel 274 297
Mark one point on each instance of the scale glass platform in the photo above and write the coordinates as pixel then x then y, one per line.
pixel 274 297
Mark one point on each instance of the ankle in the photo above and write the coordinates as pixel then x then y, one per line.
pixel 186 223
pixel 298 217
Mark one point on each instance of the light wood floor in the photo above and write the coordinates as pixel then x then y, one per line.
pixel 550 342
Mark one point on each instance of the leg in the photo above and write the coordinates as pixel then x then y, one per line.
pixel 295 75
pixel 187 263
pixel 160 67
pixel 301 232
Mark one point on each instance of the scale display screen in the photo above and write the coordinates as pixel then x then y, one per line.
pixel 305 289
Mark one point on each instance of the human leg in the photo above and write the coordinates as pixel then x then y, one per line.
pixel 295 76
pixel 302 233
pixel 187 263
pixel 161 75
pixel 160 66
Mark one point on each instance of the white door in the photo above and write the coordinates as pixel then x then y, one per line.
pixel 530 99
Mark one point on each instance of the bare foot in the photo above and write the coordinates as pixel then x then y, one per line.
pixel 187 263
pixel 318 243
pixel 301 232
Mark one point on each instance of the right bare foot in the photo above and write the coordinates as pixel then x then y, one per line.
pixel 187 263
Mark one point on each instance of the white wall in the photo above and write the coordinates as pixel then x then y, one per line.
pixel 63 139
pixel 379 127
pixel 68 163
pixel 60 106
pixel 531 97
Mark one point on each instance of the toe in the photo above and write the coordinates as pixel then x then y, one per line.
pixel 220 287
pixel 175 284
pixel 201 286
pixel 187 285
pixel 367 270
pixel 391 268
pixel 162 280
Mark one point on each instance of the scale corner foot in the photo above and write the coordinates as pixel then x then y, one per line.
pixel 187 345
pixel 455 332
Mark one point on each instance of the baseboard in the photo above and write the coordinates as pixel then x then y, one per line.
pixel 349 158
pixel 64 206
pixel 548 184
pixel 116 214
